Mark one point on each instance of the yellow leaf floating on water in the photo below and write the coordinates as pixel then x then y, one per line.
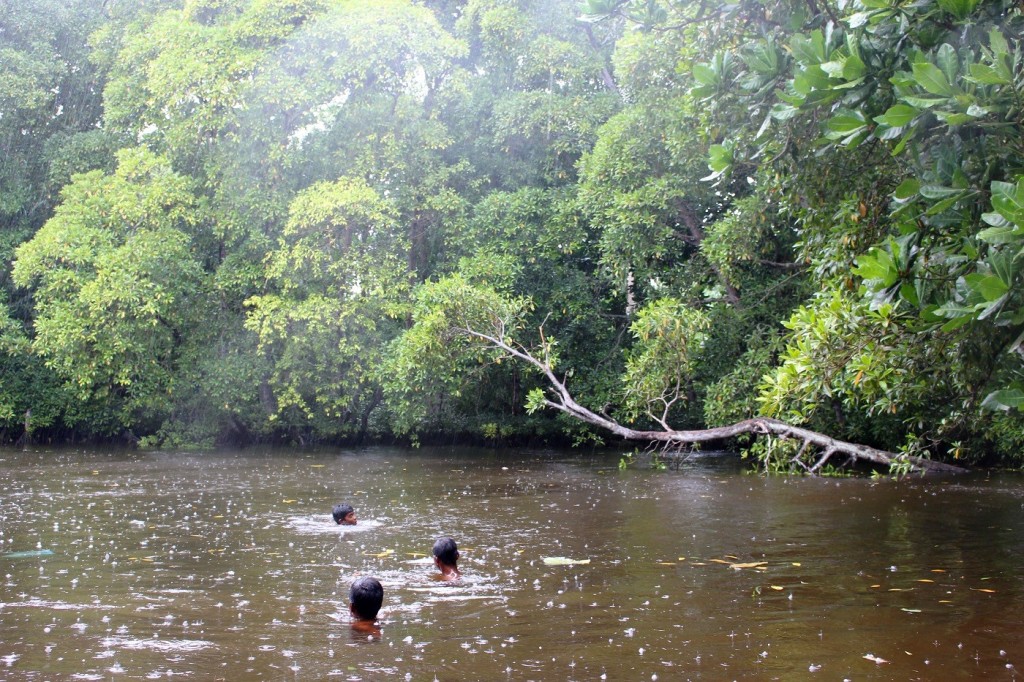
pixel 752 564
pixel 938 570
pixel 777 588
pixel 911 610
pixel 925 580
pixel 875 659
pixel 875 586
pixel 666 563
pixel 317 466
pixel 682 558
pixel 380 555
pixel 289 501
pixel 797 564
pixel 720 561
pixel 730 556
pixel 983 589
pixel 563 561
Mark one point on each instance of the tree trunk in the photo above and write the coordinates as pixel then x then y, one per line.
pixel 27 436
pixel 692 223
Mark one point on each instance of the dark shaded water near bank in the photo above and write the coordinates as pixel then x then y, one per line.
pixel 227 566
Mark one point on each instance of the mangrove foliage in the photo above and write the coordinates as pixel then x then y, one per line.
pixel 500 221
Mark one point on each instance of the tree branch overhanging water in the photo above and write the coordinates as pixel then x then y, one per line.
pixel 563 401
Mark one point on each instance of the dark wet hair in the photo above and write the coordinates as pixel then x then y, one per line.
pixel 341 511
pixel 446 551
pixel 366 595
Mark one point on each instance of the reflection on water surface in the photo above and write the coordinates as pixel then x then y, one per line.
pixel 228 566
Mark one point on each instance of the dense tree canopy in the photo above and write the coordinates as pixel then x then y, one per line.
pixel 280 220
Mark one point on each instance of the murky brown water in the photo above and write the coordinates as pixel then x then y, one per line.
pixel 227 566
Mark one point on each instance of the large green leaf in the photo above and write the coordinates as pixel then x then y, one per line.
pixel 763 58
pixel 719 159
pixel 908 189
pixel 953 118
pixel 878 266
pixel 989 287
pixel 846 122
pixel 1008 200
pixel 853 68
pixel 808 49
pixel 937 192
pixel 1000 235
pixel 1005 399
pixel 1003 267
pixel 810 79
pixel 898 116
pixel 932 79
pixel 948 60
pixel 705 75
pixel 988 75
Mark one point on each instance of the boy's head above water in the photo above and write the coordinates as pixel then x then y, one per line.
pixel 344 514
pixel 446 556
pixel 365 597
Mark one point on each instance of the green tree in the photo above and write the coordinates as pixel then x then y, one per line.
pixel 117 288
pixel 33 400
pixel 541 87
pixel 665 230
pixel 341 285
pixel 429 370
pixel 887 137
pixel 48 93
pixel 264 103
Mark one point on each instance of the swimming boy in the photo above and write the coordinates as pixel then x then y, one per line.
pixel 446 556
pixel 364 600
pixel 344 514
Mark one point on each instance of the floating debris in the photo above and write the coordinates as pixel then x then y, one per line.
pixel 752 564
pixel 27 554
pixel 563 561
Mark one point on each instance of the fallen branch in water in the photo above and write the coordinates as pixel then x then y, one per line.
pixel 559 398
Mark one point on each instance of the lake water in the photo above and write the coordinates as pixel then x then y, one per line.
pixel 227 566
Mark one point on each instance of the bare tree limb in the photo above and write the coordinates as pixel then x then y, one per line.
pixel 561 399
